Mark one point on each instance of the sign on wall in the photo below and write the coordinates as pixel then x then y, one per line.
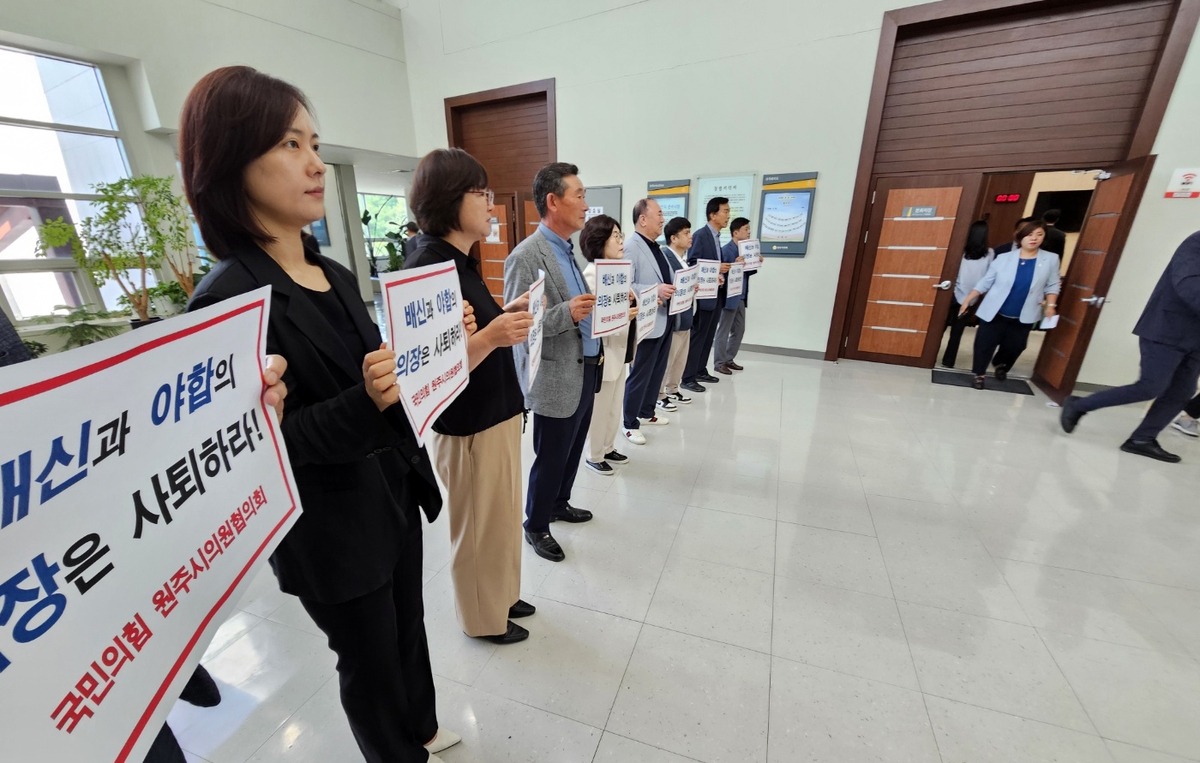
pixel 786 213
pixel 672 196
pixel 1185 184
pixel 739 189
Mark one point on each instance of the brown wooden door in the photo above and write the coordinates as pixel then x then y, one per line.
pixel 493 253
pixel 901 296
pixel 528 217
pixel 1085 287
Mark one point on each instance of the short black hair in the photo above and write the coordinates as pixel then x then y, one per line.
pixel 676 226
pixel 595 235
pixel 1051 216
pixel 714 206
pixel 738 223
pixel 1023 221
pixel 440 182
pixel 411 227
pixel 640 208
pixel 551 179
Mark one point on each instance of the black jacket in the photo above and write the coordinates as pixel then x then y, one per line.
pixel 360 475
pixel 1055 241
pixel 1172 316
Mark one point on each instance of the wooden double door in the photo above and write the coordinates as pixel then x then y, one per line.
pixel 912 250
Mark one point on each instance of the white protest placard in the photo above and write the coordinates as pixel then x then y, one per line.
pixel 144 484
pixel 647 312
pixel 685 290
pixel 708 279
pixel 423 310
pixel 750 251
pixel 611 314
pixel 734 279
pixel 537 308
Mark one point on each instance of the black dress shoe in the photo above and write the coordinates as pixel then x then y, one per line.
pixel 1001 373
pixel 571 514
pixel 617 458
pixel 724 370
pixel 545 546
pixel 521 609
pixel 514 634
pixel 201 690
pixel 977 382
pixel 692 387
pixel 1070 415
pixel 707 378
pixel 1149 449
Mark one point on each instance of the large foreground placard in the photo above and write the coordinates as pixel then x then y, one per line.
pixel 143 484
pixel 424 313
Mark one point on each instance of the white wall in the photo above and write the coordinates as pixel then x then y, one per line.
pixel 346 55
pixel 682 88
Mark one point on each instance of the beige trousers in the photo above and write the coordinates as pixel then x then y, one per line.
pixel 606 417
pixel 482 475
pixel 680 342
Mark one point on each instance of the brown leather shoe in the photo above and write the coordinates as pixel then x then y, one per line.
pixel 734 366
pixel 723 370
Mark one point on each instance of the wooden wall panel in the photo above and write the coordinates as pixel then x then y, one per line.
pixel 1043 89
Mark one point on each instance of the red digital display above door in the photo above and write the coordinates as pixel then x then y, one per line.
pixel 1007 198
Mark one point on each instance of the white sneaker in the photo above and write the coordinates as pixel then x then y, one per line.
pixel 443 741
pixel 655 421
pixel 1187 425
pixel 635 436
pixel 666 405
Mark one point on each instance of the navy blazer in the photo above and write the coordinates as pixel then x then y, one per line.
pixel 704 248
pixel 1172 316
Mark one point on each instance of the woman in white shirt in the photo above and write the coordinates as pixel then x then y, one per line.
pixel 977 257
pixel 601 239
pixel 1016 284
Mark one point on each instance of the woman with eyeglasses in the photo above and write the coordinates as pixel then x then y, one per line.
pixel 476 442
pixel 254 178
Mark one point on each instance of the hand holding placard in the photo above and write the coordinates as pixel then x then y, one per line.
pixel 537 307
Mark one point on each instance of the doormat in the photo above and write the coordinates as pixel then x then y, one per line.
pixel 1013 386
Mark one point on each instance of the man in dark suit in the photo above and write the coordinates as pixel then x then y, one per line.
pixel 1169 332
pixel 706 245
pixel 1056 240
pixel 410 244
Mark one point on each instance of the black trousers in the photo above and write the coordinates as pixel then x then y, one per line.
pixel 956 325
pixel 1193 408
pixel 383 661
pixel 1168 377
pixel 704 330
pixel 557 448
pixel 1000 342
pixel 646 378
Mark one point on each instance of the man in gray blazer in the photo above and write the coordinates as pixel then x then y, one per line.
pixel 650 269
pixel 562 394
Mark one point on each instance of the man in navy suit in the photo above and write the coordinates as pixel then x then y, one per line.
pixel 706 245
pixel 1169 332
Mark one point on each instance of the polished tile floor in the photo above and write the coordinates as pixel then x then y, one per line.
pixel 813 562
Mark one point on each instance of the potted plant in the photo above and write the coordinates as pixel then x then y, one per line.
pixel 80 326
pixel 140 225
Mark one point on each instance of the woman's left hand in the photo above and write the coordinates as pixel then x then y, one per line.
pixel 274 390
pixel 468 318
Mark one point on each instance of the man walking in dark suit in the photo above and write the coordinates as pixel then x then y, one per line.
pixel 563 392
pixel 1056 240
pixel 1169 332
pixel 706 245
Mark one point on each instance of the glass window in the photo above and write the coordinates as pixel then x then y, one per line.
pixel 47 171
pixel 388 214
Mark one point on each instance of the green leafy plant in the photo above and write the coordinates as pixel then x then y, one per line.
pixel 80 325
pixel 171 291
pixel 140 225
pixel 395 238
pixel 36 349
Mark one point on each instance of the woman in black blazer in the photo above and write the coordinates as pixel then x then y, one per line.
pixel 253 177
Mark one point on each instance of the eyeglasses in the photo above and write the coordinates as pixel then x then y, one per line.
pixel 488 194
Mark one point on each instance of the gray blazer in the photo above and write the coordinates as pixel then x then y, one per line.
pixel 646 273
pixel 559 383
pixel 997 282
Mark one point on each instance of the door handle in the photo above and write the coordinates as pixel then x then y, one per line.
pixel 944 285
pixel 1095 301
